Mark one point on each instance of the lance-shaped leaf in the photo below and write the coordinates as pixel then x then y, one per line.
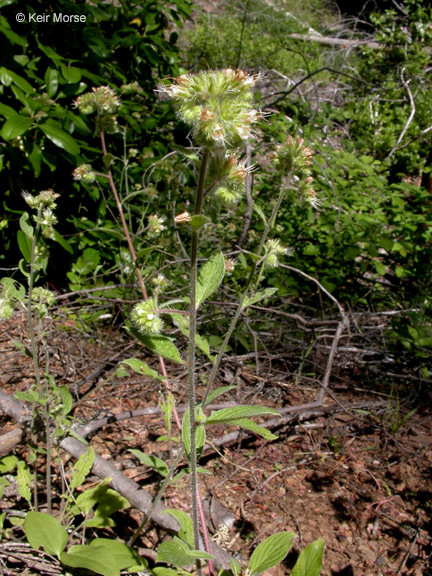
pixel 238 416
pixel 141 367
pixel 161 345
pixel 261 295
pixel 152 461
pixel 230 415
pixel 183 324
pixel 270 552
pixel 199 432
pixel 209 278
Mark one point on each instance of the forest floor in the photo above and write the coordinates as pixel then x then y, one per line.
pixel 354 472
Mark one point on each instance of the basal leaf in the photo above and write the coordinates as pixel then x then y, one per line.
pixel 124 555
pixel 44 530
pixel 186 532
pixel 108 503
pixel 81 556
pixel 174 552
pixel 309 563
pixel 270 552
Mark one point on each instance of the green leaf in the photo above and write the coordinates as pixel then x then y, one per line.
pixel 209 278
pixel 25 226
pixel 248 424
pixel 124 555
pixel 199 433
pixel 7 111
pixel 59 137
pixel 109 502
pixel 24 244
pixel 81 556
pixel 51 81
pixel 24 479
pixel 107 160
pixel 90 497
pixel 187 153
pixel 261 295
pixel 176 552
pixel 81 469
pixel 218 392
pixel 141 367
pixel 152 461
pixel 183 324
pixel 8 76
pixel 186 531
pixel 230 415
pixel 270 552
pixel 311 250
pixel 16 126
pixel 161 345
pixel 8 463
pixel 309 562
pixel 44 530
pixel 62 241
pixel 70 74
pixel 66 399
pixel 198 221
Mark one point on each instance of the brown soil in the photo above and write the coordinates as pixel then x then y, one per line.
pixel 359 479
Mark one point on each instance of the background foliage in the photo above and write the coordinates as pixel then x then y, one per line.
pixel 364 110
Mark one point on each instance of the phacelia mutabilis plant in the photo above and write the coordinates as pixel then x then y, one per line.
pixel 218 107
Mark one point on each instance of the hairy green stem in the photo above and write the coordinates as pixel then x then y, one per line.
pixel 34 345
pixel 191 355
pixel 254 267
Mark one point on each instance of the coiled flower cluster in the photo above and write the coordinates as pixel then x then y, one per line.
pixel 104 102
pixel 229 174
pixel 296 158
pixel 145 317
pixel 216 104
pixel 42 300
pixel 45 204
pixel 273 250
pixel 85 173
